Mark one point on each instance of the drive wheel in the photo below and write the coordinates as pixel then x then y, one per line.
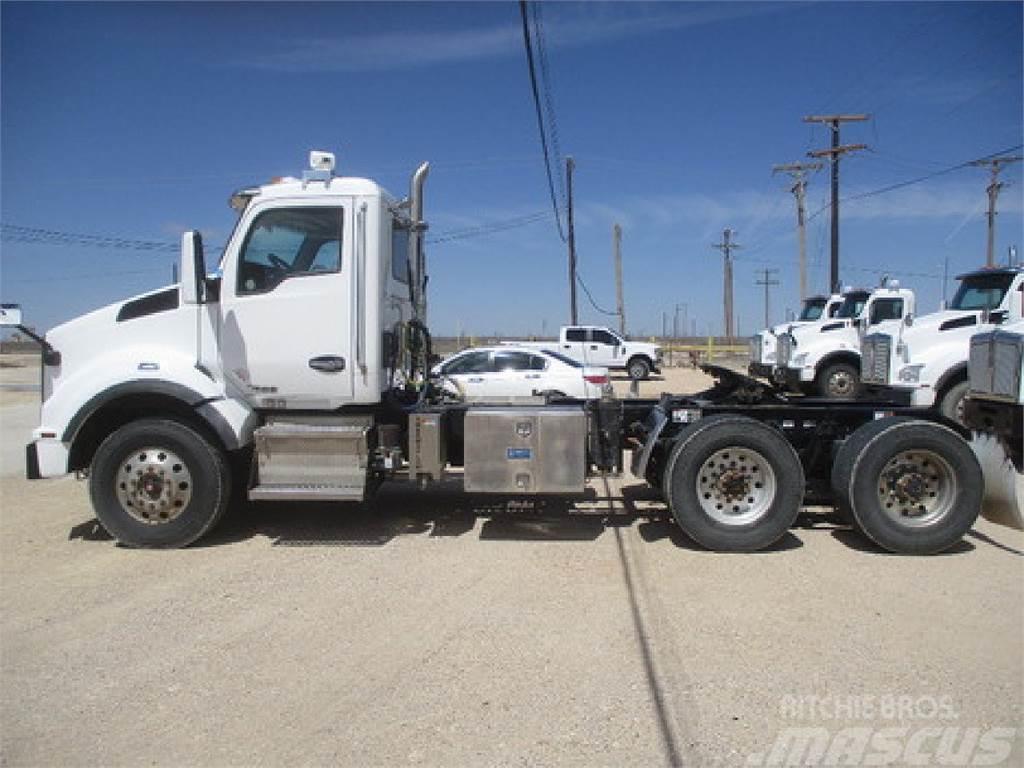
pixel 838 381
pixel 842 466
pixel 733 484
pixel 639 369
pixel 158 483
pixel 916 488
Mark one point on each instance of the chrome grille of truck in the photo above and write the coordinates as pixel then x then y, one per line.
pixel 785 348
pixel 755 349
pixel 996 364
pixel 876 351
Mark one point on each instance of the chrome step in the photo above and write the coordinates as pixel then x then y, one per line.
pixel 306 493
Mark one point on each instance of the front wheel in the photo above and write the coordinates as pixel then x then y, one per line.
pixel 838 381
pixel 733 484
pixel 158 483
pixel 952 403
pixel 639 369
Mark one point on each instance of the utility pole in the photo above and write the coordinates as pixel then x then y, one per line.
pixel 836 151
pixel 174 273
pixel 799 188
pixel 570 165
pixel 617 248
pixel 995 165
pixel 726 247
pixel 767 281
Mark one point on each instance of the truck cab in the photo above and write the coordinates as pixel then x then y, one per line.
pixel 764 344
pixel 602 347
pixel 823 358
pixel 925 360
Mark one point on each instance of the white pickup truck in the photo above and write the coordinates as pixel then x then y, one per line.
pixel 598 346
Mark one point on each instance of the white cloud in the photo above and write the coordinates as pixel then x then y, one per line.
pixel 418 48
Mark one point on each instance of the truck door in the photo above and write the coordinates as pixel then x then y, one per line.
pixel 602 348
pixel 286 306
pixel 574 343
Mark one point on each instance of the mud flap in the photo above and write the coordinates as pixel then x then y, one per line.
pixel 1003 502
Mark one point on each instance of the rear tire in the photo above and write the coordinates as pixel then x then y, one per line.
pixel 838 381
pixel 842 466
pixel 158 483
pixel 639 369
pixel 915 488
pixel 733 484
pixel 952 403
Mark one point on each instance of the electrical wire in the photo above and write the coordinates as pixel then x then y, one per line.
pixel 540 114
pixel 918 180
pixel 590 298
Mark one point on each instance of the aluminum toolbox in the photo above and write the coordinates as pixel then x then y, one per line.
pixel 525 450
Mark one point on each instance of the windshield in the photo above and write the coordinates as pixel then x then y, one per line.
pixel 852 305
pixel 562 358
pixel 981 292
pixel 812 309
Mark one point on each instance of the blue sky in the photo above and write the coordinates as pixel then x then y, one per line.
pixel 138 120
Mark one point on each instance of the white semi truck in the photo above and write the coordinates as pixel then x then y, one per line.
pixel 994 411
pixel 764 344
pixel 599 346
pixel 823 358
pixel 300 371
pixel 923 362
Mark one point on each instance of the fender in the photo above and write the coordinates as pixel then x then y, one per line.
pixel 196 401
pixel 945 380
pixel 842 356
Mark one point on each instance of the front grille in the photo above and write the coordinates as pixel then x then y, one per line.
pixel 997 364
pixel 876 351
pixel 755 349
pixel 785 349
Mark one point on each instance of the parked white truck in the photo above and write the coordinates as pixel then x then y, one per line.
pixel 924 361
pixel 764 344
pixel 823 358
pixel 994 411
pixel 598 346
pixel 300 371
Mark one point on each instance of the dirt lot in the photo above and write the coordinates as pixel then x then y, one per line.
pixel 440 629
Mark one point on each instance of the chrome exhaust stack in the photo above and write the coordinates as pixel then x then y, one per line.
pixel 417 258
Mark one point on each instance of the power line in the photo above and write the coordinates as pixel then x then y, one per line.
pixel 590 297
pixel 540 115
pixel 549 100
pixel 919 179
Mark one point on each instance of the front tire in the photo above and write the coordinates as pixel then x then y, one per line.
pixel 916 488
pixel 733 484
pixel 157 483
pixel 639 369
pixel 838 381
pixel 952 403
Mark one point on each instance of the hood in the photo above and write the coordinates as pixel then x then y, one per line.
pixel 927 326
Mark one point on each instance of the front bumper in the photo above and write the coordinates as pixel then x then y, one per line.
pixel 761 370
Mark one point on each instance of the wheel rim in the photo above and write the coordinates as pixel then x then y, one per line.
pixel 153 485
pixel 638 370
pixel 840 383
pixel 917 488
pixel 958 410
pixel 736 486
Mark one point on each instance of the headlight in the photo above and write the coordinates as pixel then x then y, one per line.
pixel 799 360
pixel 910 373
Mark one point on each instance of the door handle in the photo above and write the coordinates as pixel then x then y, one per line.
pixel 327 363
pixel 475 379
pixel 593 347
pixel 533 375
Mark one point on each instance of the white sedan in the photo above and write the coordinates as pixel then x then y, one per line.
pixel 500 373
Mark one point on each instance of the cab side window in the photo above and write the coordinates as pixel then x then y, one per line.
pixel 287 243
pixel 575 334
pixel 603 337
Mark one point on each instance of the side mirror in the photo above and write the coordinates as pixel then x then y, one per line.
pixel 193 268
pixel 908 319
pixel 10 315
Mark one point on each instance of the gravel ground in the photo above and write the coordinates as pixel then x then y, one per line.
pixel 444 629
